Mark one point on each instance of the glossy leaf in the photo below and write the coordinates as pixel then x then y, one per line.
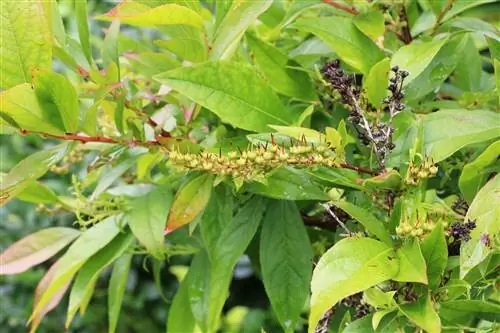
pixel 288 184
pixel 21 105
pixel 460 6
pixel 350 266
pixel 338 176
pixel 116 289
pixel 82 23
pixel 133 13
pixel 485 211
pixel 376 82
pixel 57 98
pixel 190 201
pixel 229 90
pixel 412 266
pixel 369 221
pixel 233 25
pixel 371 24
pixel 89 243
pixel 92 269
pixel 475 174
pixel 26 42
pixel 180 316
pixel 185 41
pixel 286 261
pixel 35 249
pixel 147 217
pixel 340 33
pixel 449 130
pixel 422 313
pixel 275 66
pixel 435 251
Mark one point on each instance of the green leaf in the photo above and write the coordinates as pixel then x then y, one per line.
pixel 151 63
pixel 286 261
pixel 460 6
pixel 58 100
pixel 190 201
pixel 35 249
pixel 82 23
pixel 233 91
pixel 21 105
pixel 185 41
pixel 116 289
pixel 110 175
pixel 350 266
pixel 299 133
pixel 147 217
pixel 37 192
pixel 437 71
pixel 277 70
pixel 377 81
pixel 369 221
pixel 110 46
pixel 92 269
pixel 467 75
pixel 412 266
pixel 447 131
pixel 231 29
pixel 422 314
pixel 379 299
pixel 458 311
pixel 56 297
pixel 485 211
pixel 180 316
pixel 371 24
pixel 89 243
pixel 31 168
pixel 133 13
pixel 475 174
pixel 289 184
pixel 435 251
pixel 217 216
pixel 416 57
pixel 233 239
pixel 351 45
pixel 338 176
pixel 389 180
pixel 26 41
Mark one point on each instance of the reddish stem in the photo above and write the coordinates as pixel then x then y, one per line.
pixel 345 8
pixel 359 169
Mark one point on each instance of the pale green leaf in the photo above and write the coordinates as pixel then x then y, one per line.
pixel 89 243
pixel 371 24
pixel 185 41
pixel 485 211
pixel 377 81
pixel 350 266
pixel 232 27
pixel 412 266
pixel 35 249
pixel 82 23
pixel 26 41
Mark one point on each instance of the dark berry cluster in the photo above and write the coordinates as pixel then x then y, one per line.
pixel 460 206
pixel 379 135
pixel 461 231
pixel 357 303
pixel 404 293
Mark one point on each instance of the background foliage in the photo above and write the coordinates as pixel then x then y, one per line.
pixel 366 209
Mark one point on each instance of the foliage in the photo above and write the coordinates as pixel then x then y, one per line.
pixel 348 150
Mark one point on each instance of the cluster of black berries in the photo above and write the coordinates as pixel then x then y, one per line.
pixel 379 135
pixel 323 323
pixel 461 231
pixel 404 293
pixel 395 101
pixel 460 206
pixel 357 303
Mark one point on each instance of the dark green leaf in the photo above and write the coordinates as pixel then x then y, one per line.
pixel 289 184
pixel 286 261
pixel 116 289
pixel 233 91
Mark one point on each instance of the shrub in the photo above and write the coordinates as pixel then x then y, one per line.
pixel 347 149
